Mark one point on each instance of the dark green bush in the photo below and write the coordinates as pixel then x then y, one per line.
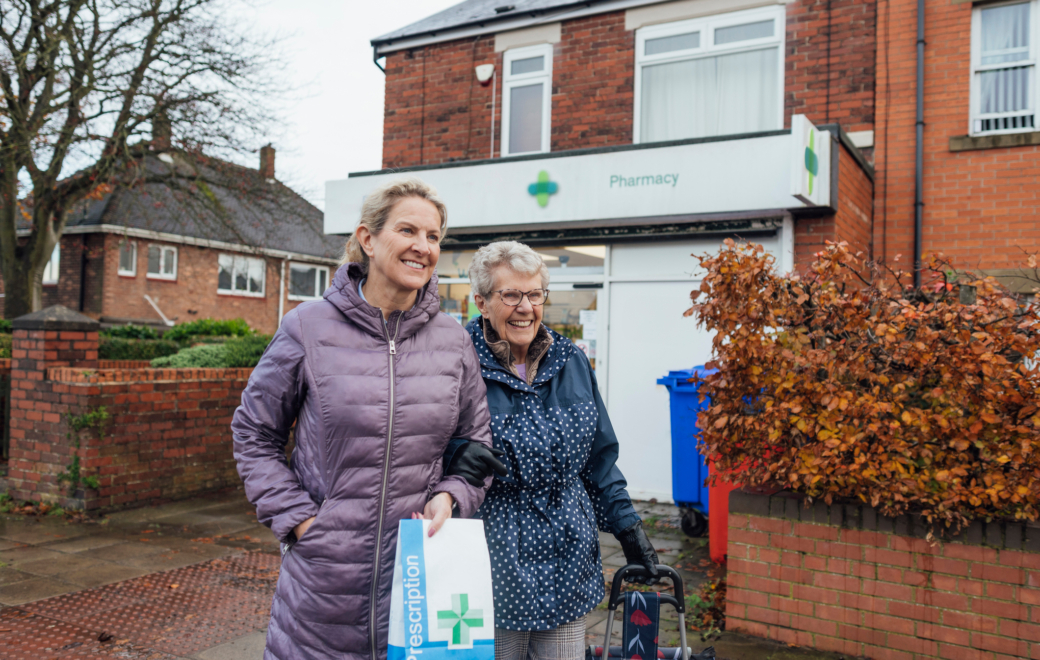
pixel 237 352
pixel 5 326
pixel 5 346
pixel 184 332
pixel 116 348
pixel 241 352
pixel 130 331
pixel 207 356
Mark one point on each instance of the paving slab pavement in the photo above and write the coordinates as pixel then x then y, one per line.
pixel 194 580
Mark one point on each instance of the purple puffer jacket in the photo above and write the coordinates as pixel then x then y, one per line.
pixel 373 416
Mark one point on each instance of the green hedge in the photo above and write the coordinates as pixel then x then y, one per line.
pixel 184 332
pixel 243 352
pixel 130 331
pixel 237 352
pixel 5 346
pixel 208 356
pixel 116 348
pixel 5 326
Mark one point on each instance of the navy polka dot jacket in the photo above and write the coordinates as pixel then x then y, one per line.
pixel 542 520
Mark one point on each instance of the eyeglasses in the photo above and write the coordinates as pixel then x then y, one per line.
pixel 513 297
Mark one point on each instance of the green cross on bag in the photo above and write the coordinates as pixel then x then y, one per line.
pixel 460 618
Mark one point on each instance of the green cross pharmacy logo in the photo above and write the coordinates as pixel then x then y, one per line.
pixel 543 188
pixel 460 618
pixel 812 161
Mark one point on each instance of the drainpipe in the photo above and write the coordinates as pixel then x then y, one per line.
pixel 281 295
pixel 919 155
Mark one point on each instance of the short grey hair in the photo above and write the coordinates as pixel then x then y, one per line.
pixel 516 256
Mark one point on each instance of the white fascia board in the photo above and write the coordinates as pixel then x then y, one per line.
pixel 148 234
pixel 451 34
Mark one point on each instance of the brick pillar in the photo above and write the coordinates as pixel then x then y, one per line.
pixel 40 446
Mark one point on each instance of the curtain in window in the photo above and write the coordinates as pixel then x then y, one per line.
pixel 722 95
pixel 525 118
pixel 1005 40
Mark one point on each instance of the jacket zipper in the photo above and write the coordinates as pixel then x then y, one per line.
pixel 382 495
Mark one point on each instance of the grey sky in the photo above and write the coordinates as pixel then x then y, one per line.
pixel 335 125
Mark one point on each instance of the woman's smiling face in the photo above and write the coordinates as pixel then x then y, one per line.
pixel 517 325
pixel 405 253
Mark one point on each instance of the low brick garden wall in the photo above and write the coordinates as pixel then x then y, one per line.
pixel 844 578
pixel 167 434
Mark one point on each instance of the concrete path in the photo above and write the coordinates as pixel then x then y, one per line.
pixel 194 579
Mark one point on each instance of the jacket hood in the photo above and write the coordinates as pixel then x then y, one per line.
pixel 343 294
pixel 560 352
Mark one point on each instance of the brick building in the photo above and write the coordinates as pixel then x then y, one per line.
pixel 617 137
pixel 981 144
pixel 192 238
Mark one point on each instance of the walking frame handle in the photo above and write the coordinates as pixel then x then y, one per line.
pixel 678 601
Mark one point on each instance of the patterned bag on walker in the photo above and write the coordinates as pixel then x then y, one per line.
pixel 441 605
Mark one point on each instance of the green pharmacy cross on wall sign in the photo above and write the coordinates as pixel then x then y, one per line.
pixel 543 188
pixel 460 618
pixel 810 162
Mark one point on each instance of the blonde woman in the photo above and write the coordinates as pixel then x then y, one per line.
pixel 377 382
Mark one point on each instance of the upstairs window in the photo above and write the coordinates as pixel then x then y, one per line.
pixel 239 275
pixel 1003 57
pixel 51 270
pixel 162 262
pixel 526 100
pixel 719 75
pixel 307 282
pixel 128 258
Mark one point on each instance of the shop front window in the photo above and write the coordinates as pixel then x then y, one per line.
pixel 573 313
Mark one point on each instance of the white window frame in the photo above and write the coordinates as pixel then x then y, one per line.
pixel 52 269
pixel 235 292
pixel 976 54
pixel 510 81
pixel 133 257
pixel 306 266
pixel 164 250
pixel 707 26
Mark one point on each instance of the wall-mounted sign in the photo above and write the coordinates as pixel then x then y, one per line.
pixel 542 188
pixel 699 177
pixel 810 160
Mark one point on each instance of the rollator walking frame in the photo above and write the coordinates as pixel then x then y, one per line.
pixel 677 601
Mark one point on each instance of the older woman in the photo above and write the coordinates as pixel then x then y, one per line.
pixel 562 486
pixel 377 382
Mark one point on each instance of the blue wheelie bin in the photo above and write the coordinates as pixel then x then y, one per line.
pixel 689 469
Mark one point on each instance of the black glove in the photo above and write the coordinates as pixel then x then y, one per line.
pixel 474 462
pixel 639 550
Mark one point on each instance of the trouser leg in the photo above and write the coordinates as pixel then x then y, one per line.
pixel 564 643
pixel 511 644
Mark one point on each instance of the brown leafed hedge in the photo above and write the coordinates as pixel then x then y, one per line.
pixel 846 383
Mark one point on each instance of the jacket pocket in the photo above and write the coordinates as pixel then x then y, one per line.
pixel 311 531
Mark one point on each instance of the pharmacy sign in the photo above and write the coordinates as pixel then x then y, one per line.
pixel 810 162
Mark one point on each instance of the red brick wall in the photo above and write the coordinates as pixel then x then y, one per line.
pixel 593 83
pixel 167 435
pixel 852 221
pixel 843 579
pixel 980 207
pixel 844 91
pixel 593 80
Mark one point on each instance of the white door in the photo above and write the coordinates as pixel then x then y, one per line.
pixel 650 288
